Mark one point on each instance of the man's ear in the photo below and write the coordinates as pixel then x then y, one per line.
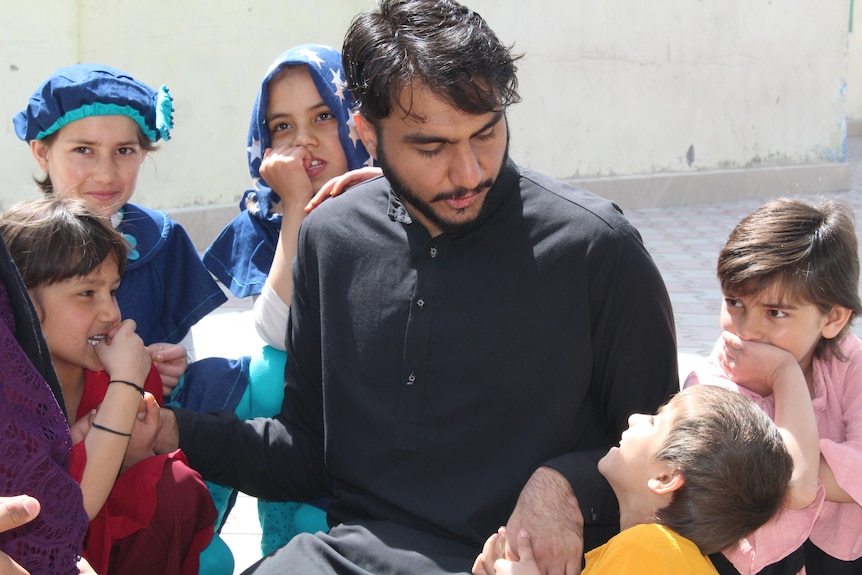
pixel 666 482
pixel 367 133
pixel 40 153
pixel 836 319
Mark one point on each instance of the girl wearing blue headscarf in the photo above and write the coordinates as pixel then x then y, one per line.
pixel 301 137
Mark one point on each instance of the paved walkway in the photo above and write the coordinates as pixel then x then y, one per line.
pixel 684 241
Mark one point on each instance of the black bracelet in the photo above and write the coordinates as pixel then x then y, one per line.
pixel 130 384
pixel 109 430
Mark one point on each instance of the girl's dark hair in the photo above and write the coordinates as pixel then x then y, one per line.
pixel 736 467
pixel 440 44
pixel 44 182
pixel 810 251
pixel 54 238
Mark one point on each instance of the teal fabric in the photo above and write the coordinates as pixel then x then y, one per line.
pixel 280 521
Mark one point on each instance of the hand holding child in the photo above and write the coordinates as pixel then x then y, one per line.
pixel 143 433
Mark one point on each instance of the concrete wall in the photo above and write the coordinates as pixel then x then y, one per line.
pixel 649 103
pixel 854 72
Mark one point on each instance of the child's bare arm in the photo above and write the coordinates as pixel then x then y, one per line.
pixel 767 369
pixel 284 171
pixel 124 357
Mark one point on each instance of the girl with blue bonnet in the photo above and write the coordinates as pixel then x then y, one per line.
pixel 90 128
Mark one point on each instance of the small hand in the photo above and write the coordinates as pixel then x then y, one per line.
pixel 81 427
pixel 341 183
pixel 123 354
pixel 548 510
pixel 754 365
pixel 491 551
pixel 283 168
pixel 172 361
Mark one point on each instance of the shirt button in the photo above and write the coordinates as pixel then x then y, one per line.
pixel 421 303
pixel 411 379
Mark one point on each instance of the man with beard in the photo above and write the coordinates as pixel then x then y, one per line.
pixel 467 337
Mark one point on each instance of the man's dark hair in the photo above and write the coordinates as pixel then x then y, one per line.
pixel 439 44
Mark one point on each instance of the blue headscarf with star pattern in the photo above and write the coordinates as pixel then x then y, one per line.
pixel 324 65
pixel 241 256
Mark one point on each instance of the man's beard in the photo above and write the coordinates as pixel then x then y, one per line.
pixel 408 196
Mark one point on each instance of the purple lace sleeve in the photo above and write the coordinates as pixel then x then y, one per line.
pixel 34 459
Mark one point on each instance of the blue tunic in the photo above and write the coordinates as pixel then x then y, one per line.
pixel 166 289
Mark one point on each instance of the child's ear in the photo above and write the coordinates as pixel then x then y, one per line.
pixel 368 134
pixel 836 319
pixel 36 299
pixel 40 152
pixel 666 483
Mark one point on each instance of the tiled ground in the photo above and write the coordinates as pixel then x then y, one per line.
pixel 684 242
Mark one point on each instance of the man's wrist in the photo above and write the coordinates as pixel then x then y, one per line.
pixel 168 438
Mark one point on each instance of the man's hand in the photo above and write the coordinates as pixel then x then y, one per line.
pixel 143 433
pixel 548 511
pixel 15 511
pixel 167 437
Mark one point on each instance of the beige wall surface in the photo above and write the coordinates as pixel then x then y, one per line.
pixel 611 89
pixel 854 67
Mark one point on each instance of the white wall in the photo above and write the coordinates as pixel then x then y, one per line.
pixel 854 68
pixel 612 88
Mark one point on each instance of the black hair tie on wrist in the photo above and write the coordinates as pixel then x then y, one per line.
pixel 129 383
pixel 109 430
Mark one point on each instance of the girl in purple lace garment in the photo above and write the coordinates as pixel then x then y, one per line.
pixel 34 439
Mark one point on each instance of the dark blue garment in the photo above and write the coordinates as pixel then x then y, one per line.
pixel 241 256
pixel 213 384
pixel 167 289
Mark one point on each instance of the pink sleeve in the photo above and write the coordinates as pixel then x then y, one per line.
pixel 780 537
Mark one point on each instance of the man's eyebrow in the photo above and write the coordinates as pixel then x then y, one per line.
pixel 421 139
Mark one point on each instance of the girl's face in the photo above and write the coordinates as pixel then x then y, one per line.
pixel 296 115
pixel 629 467
pixel 76 313
pixel 769 317
pixel 97 159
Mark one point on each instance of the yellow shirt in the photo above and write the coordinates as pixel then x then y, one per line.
pixel 648 549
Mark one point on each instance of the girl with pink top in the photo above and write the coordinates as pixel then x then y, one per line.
pixel 789 273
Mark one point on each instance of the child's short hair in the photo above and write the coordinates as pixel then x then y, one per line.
pixel 54 238
pixel 736 467
pixel 810 251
